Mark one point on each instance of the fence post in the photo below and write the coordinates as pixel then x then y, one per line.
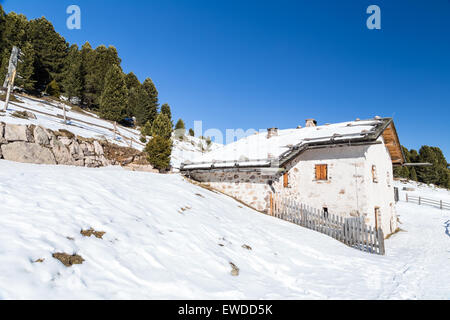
pixel 419 200
pixel 441 204
pixel 407 197
pixel 381 241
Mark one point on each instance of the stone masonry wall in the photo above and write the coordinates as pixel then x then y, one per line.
pixel 35 144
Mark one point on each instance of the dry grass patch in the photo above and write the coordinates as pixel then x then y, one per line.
pixel 234 270
pixel 67 259
pixel 90 232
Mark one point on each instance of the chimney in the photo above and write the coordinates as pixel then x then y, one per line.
pixel 311 123
pixel 271 132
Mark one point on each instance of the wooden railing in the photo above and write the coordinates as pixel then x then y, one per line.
pixel 351 231
pixel 428 202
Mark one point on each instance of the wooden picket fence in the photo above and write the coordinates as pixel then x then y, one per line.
pixel 351 231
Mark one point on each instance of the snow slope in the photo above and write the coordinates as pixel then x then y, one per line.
pixel 154 249
pixel 89 125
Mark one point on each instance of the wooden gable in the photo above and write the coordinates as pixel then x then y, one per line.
pixel 393 144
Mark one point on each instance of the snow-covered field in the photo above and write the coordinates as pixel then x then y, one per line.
pixel 166 238
pixel 88 125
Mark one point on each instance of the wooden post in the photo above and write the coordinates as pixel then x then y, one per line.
pixel 10 86
pixel 271 204
pixel 441 204
pixel 381 241
pixel 406 197
pixel 64 109
pixel 419 201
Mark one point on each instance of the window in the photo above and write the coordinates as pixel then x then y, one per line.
pixel 321 172
pixel 374 174
pixel 286 180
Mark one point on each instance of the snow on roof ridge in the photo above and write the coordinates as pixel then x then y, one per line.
pixel 259 147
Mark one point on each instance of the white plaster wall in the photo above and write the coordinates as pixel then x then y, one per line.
pixel 381 194
pixel 349 190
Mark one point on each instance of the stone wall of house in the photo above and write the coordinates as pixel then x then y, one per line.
pixel 35 144
pixel 250 187
pixel 349 191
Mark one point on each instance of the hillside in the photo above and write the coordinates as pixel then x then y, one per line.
pixel 167 238
pixel 50 114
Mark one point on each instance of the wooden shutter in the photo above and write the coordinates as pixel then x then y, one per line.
pixel 286 180
pixel 321 172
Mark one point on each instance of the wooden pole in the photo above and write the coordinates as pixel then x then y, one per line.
pixel 65 117
pixel 10 86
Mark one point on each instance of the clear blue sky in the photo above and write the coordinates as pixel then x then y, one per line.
pixel 259 64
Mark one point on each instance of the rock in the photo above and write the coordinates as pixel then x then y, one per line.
pixel 75 151
pixel 2 133
pixel 62 154
pixel 65 140
pixel 98 149
pixel 41 136
pixel 27 152
pixel 16 132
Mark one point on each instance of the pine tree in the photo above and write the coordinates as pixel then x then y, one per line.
pixel 25 68
pixel 158 151
pixel 73 74
pixel 146 130
pixel 132 81
pixel 138 101
pixel 162 127
pixel 413 174
pixel 180 129
pixel 151 111
pixel 2 31
pixel 114 98
pixel 165 108
pixel 97 63
pixel 191 132
pixel 51 50
pixel 53 89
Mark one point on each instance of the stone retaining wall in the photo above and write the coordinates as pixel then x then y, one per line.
pixel 35 144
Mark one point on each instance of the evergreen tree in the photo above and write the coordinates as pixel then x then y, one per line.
pixel 97 63
pixel 151 111
pixel 165 108
pixel 53 89
pixel 146 130
pixel 114 98
pixel 25 68
pixel 413 174
pixel 2 31
pixel 180 129
pixel 162 127
pixel 191 132
pixel 138 100
pixel 73 74
pixel 158 151
pixel 132 81
pixel 51 50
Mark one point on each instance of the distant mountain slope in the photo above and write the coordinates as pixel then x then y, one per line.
pixel 167 238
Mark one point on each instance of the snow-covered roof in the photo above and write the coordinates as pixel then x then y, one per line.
pixel 257 150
